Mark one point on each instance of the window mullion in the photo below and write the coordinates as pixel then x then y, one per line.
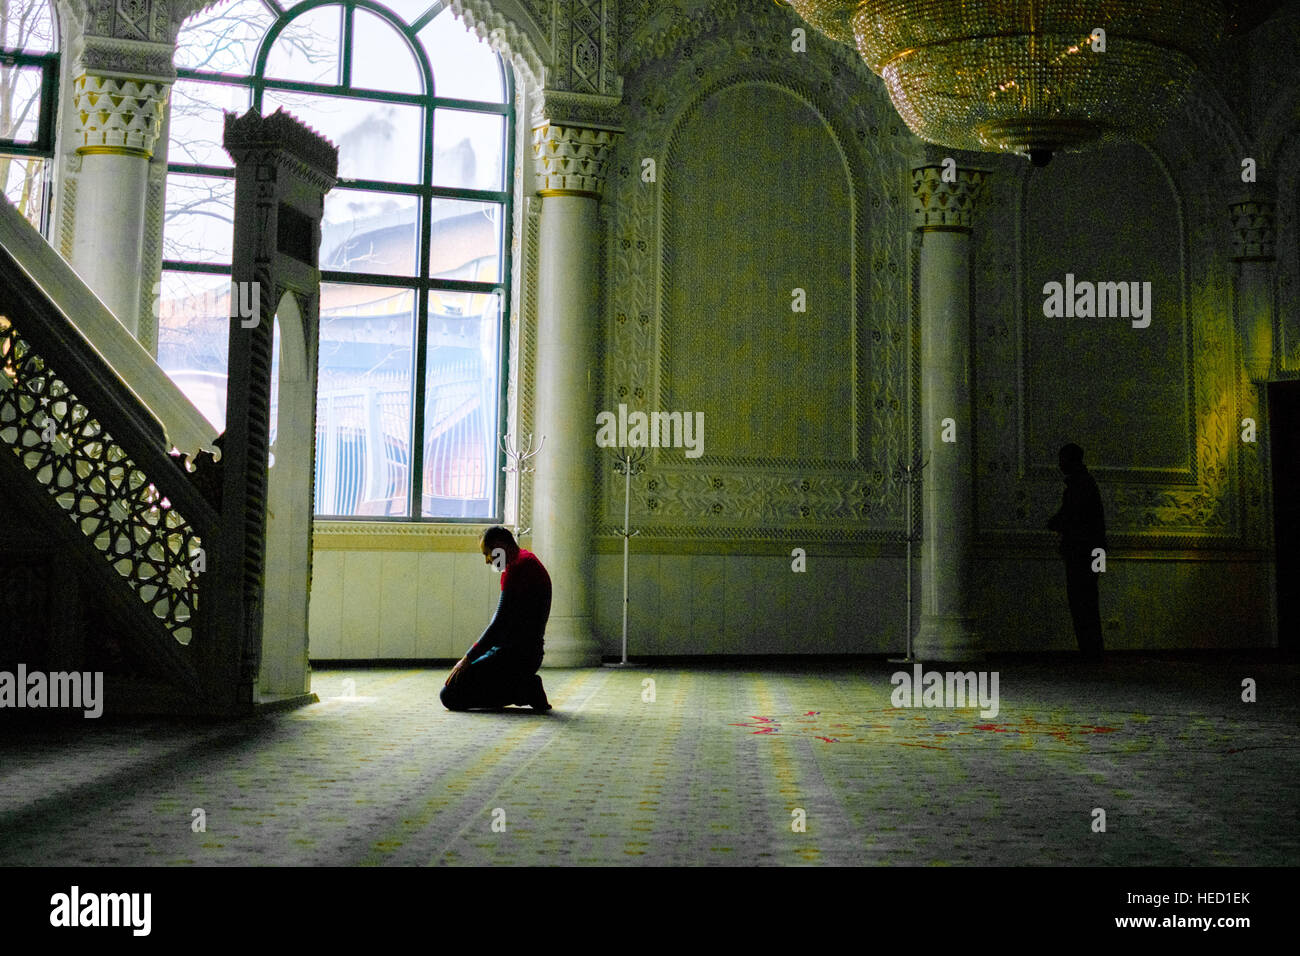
pixel 345 60
pixel 425 18
pixel 415 507
pixel 505 319
pixel 422 318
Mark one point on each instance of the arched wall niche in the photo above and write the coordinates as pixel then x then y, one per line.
pixel 753 311
pixel 1154 407
pixel 1286 345
pixel 838 484
pixel 1092 379
pixel 291 463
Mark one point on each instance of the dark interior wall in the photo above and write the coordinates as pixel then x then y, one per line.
pixel 1159 408
pixel 777 171
pixel 763 281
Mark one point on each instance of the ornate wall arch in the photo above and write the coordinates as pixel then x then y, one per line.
pixel 815 498
pixel 1201 506
pixel 1206 116
pixel 1279 125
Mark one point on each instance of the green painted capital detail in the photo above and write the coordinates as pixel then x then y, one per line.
pixel 945 196
pixel 571 159
pixel 1254 230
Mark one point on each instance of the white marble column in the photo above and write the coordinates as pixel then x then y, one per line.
pixel 570 166
pixel 943 212
pixel 118 122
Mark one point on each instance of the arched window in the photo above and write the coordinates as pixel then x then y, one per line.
pixel 29 80
pixel 415 248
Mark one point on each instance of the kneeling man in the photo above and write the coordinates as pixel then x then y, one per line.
pixel 501 667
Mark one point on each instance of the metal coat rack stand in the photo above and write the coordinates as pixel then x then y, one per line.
pixel 909 474
pixel 518 456
pixel 627 464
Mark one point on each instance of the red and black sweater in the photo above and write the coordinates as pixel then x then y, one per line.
pixel 525 605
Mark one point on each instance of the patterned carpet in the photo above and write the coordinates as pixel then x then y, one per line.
pixel 713 767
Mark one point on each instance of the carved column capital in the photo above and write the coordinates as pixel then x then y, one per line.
pixel 944 198
pixel 127 59
pixel 118 115
pixel 1254 230
pixel 122 67
pixel 571 160
pixel 157 20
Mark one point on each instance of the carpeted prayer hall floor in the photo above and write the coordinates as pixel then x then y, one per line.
pixel 707 765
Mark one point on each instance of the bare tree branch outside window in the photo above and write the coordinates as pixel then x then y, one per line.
pixel 382 449
pixel 26 26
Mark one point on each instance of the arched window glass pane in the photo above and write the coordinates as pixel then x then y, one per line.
pixel 376 140
pixel 461 395
pixel 307 50
pixel 24 181
pixel 468 149
pixel 466 240
pixel 363 409
pixel 224 39
pixel 199 219
pixel 464 67
pixel 381 60
pixel 28 25
pixel 370 232
pixel 27 117
pixel 193 331
pixel 196 121
pixel 414 248
pixel 20 103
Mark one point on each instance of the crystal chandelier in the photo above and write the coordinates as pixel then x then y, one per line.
pixel 1027 76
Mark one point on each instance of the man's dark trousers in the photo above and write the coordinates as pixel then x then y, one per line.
pixel 497 678
pixel 1085 603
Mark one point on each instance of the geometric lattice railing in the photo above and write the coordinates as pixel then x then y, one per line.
pixel 101 490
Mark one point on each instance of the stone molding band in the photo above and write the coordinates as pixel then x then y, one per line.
pixel 583 193
pixel 962 229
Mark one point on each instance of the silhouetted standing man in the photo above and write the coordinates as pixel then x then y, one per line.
pixel 1082 527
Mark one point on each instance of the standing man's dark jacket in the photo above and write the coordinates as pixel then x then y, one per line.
pixel 1082 527
pixel 1081 522
pixel 517 627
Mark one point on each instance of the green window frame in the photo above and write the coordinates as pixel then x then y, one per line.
pixel 422 283
pixel 41 145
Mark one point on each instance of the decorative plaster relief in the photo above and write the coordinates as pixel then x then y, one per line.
pixel 1192 499
pixel 851 496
